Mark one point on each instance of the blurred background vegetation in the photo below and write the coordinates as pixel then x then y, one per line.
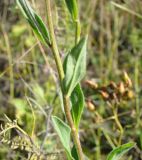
pixel 29 90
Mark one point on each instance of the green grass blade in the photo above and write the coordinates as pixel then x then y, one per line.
pixel 126 9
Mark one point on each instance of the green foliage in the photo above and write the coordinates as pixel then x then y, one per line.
pixel 18 30
pixel 77 101
pixel 23 113
pixel 35 21
pixel 73 8
pixel 75 66
pixel 135 38
pixel 21 107
pixel 63 131
pixel 74 153
pixel 117 40
pixel 39 94
pixel 118 152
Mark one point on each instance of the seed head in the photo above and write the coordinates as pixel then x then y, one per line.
pixel 91 84
pixel 121 87
pixel 90 106
pixel 105 95
pixel 127 79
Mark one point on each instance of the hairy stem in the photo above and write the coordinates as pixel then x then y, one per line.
pixel 66 99
pixel 54 46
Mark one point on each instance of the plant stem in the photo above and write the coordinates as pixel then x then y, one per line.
pixel 73 129
pixel 66 99
pixel 118 124
pixel 54 46
pixel 77 38
pixel 77 31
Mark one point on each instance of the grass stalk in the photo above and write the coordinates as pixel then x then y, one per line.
pixel 10 63
pixel 137 91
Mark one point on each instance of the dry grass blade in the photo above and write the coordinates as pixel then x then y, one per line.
pixel 126 9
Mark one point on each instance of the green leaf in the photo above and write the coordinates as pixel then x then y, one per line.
pixel 77 102
pixel 35 21
pixel 75 66
pixel 63 131
pixel 74 153
pixel 73 8
pixel 118 152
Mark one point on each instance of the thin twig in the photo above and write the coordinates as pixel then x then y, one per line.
pixel 47 128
